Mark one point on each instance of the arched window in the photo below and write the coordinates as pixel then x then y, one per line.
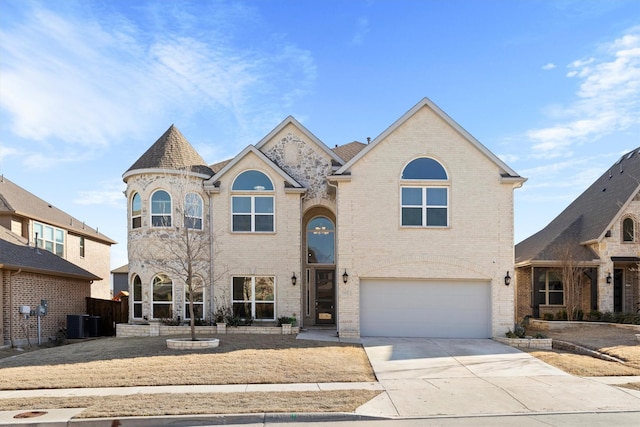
pixel 253 210
pixel 161 209
pixel 198 299
pixel 193 211
pixel 162 297
pixel 136 211
pixel 424 194
pixel 137 297
pixel 628 230
pixel 320 241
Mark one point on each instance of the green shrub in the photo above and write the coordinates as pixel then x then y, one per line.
pixel 286 320
pixel 594 316
pixel 561 315
pixel 539 336
pixel 547 316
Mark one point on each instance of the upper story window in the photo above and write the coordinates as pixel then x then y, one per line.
pixel 424 194
pixel 49 238
pixel 251 209
pixel 160 209
pixel 628 230
pixel 193 211
pixel 136 211
pixel 82 246
pixel 320 241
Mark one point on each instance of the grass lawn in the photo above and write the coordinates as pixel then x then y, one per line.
pixel 240 359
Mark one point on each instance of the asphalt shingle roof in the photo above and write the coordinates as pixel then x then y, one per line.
pixel 15 255
pixel 348 151
pixel 172 151
pixel 15 200
pixel 587 217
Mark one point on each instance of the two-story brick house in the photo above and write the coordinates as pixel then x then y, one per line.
pixel 408 235
pixel 597 236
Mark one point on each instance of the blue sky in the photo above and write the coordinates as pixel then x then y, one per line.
pixel 552 87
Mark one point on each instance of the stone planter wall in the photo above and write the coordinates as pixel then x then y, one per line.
pixel 556 325
pixel 124 330
pixel 540 343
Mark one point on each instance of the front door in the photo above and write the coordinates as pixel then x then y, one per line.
pixel 325 297
pixel 618 279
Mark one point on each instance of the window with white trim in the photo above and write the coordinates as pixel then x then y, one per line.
pixel 49 238
pixel 253 297
pixel 193 211
pixel 252 210
pixel 137 297
pixel 551 289
pixel 198 299
pixel 160 209
pixel 162 289
pixel 136 211
pixel 424 194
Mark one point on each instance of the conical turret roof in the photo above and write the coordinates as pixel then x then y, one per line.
pixel 172 151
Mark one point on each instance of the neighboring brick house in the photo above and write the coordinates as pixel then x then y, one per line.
pixel 26 215
pixel 597 234
pixel 29 275
pixel 408 235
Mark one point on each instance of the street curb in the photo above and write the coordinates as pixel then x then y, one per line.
pixel 204 420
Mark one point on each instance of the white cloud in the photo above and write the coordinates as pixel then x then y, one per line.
pixel 607 99
pixel 362 28
pixel 549 66
pixel 106 194
pixel 91 82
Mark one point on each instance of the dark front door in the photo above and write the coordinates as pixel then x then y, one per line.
pixel 325 297
pixel 618 278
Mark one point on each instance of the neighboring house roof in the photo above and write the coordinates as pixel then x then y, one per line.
pixel 15 255
pixel 349 151
pixel 588 217
pixel 15 200
pixel 289 181
pixel 507 172
pixel 305 131
pixel 121 269
pixel 171 151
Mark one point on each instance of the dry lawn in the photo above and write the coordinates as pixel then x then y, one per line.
pixel 240 359
pixel 610 340
pixel 199 403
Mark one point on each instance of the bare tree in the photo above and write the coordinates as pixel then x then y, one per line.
pixel 572 274
pixel 179 242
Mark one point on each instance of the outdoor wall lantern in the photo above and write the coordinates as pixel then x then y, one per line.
pixel 609 278
pixel 345 276
pixel 294 279
pixel 507 279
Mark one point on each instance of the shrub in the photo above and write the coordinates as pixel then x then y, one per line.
pixel 547 316
pixel 578 314
pixel 561 315
pixel 594 316
pixel 286 320
pixel 539 336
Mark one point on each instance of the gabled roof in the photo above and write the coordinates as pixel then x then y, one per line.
pixel 171 151
pixel 305 131
pixel 15 200
pixel 588 217
pixel 289 181
pixel 349 151
pixel 507 172
pixel 121 269
pixel 15 255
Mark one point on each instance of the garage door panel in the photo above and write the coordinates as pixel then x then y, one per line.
pixel 425 309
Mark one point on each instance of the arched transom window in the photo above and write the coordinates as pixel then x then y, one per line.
pixel 320 241
pixel 252 203
pixel 424 194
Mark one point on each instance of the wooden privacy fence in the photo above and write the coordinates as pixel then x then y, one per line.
pixel 110 313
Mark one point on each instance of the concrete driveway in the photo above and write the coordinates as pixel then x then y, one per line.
pixel 463 377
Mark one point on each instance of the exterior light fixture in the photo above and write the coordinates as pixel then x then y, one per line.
pixel 609 278
pixel 294 279
pixel 345 276
pixel 507 279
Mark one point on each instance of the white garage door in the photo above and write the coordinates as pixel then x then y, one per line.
pixel 401 308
